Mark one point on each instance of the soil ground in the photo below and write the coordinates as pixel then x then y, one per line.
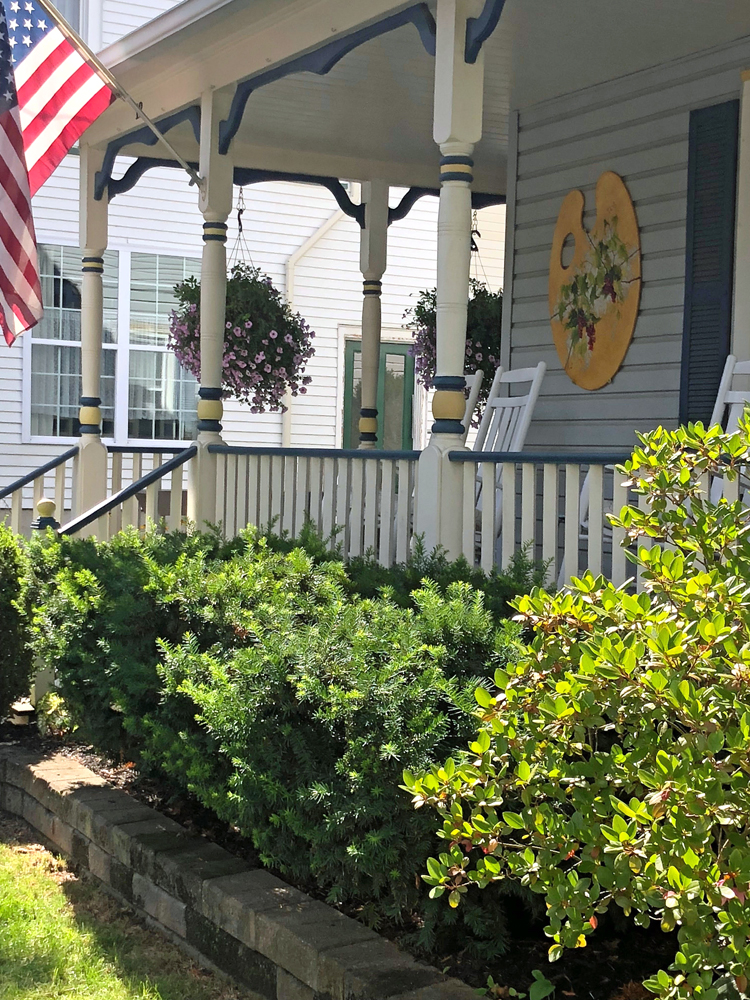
pixel 612 967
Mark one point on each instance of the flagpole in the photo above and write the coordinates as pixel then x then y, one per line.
pixel 77 42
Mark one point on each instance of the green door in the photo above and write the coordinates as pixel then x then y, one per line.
pixel 395 396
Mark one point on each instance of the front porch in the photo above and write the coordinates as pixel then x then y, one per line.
pixel 473 101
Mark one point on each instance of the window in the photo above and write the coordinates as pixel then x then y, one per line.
pixel 56 344
pixel 162 396
pixel 71 11
pixel 158 400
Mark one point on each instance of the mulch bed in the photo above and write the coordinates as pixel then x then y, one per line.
pixel 613 965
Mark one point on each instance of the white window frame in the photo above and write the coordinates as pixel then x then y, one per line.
pixel 122 349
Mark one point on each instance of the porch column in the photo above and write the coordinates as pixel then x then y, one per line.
pixel 373 256
pixel 741 319
pixel 91 486
pixel 459 91
pixel 215 204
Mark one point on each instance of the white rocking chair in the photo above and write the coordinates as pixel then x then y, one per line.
pixel 506 420
pixel 730 404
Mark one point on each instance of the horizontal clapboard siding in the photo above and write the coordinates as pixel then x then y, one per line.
pixel 639 127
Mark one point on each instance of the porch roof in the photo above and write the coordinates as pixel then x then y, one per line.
pixel 371 114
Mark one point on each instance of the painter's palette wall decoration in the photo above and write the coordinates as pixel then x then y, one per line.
pixel 594 296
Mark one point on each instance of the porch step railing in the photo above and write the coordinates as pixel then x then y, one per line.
pixel 360 501
pixel 165 495
pixel 54 481
pixel 123 508
pixel 555 504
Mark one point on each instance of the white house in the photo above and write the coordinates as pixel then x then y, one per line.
pixel 294 232
pixel 620 138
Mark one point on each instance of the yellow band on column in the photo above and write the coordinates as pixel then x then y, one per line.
pixel 448 405
pixel 210 409
pixel 368 425
pixel 90 415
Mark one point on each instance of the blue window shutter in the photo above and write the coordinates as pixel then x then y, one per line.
pixel 709 264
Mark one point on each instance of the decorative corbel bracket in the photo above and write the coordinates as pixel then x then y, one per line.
pixel 479 29
pixel 321 61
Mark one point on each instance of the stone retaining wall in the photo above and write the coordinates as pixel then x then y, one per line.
pixel 272 938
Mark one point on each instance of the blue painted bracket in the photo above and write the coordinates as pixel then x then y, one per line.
pixel 479 29
pixel 249 175
pixel 322 61
pixel 145 137
pixel 408 202
pixel 134 173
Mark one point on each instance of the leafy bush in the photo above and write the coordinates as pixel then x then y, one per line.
pixel 15 657
pixel 612 762
pixel 256 678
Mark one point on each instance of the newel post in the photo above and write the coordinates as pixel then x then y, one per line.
pixel 91 487
pixel 459 92
pixel 215 205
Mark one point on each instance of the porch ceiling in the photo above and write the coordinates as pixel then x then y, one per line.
pixel 371 115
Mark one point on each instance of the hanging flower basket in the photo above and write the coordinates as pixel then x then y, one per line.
pixel 482 337
pixel 266 345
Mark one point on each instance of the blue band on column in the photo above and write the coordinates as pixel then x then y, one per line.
pixel 89 401
pixel 93 264
pixel 206 392
pixel 449 383
pixel 447 427
pixel 368 412
pixel 89 429
pixel 215 232
pixel 209 425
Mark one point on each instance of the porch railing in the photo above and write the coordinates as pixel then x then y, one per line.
pixel 163 498
pixel 359 500
pixel 122 508
pixel 55 480
pixel 555 504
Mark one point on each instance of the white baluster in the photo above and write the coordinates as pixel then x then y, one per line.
pixel 241 513
pixel 174 521
pixel 277 491
pixel 528 504
pixel 489 536
pixel 406 484
pixel 16 504
pixel 549 520
pixel 264 491
pixel 370 509
pixel 469 507
pixel 508 527
pixel 60 479
pixel 329 498
pixel 343 504
pixel 572 527
pixel 300 495
pixel 315 486
pixel 619 560
pixel 253 485
pixel 385 547
pixel 356 511
pixel 290 491
pixel 596 518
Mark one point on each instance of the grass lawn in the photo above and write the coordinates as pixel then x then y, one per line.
pixel 62 937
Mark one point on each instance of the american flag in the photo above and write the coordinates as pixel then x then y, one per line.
pixel 49 95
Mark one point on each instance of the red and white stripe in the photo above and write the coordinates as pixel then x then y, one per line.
pixel 20 288
pixel 59 95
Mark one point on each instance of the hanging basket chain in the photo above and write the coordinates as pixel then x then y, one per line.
pixel 240 252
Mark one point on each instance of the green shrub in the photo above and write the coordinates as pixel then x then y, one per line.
pixel 256 678
pixel 611 766
pixel 15 656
